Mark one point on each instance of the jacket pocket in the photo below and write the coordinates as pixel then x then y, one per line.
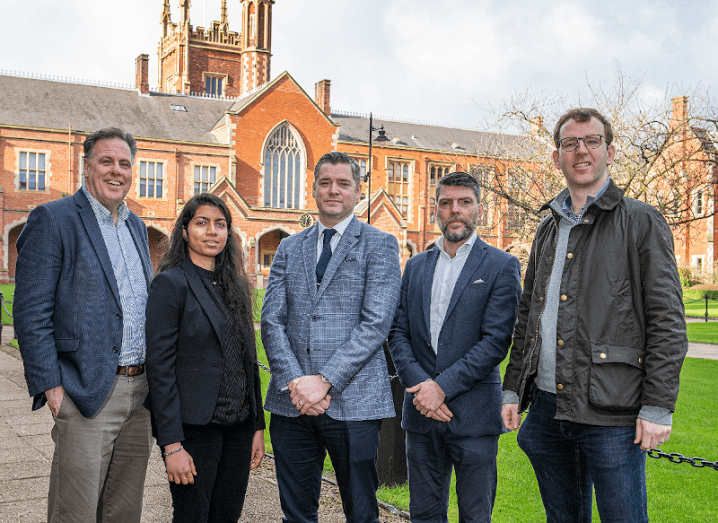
pixel 67 345
pixel 616 377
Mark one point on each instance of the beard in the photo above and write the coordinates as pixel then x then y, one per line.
pixel 470 225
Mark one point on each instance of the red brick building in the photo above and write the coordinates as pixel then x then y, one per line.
pixel 218 124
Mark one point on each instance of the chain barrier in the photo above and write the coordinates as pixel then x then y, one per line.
pixel 705 299
pixel 674 457
pixel 4 301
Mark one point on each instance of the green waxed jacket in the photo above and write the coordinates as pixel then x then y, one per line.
pixel 621 333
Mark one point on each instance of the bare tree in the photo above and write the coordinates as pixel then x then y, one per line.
pixel 665 151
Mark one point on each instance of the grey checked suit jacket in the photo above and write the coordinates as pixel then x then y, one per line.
pixel 335 329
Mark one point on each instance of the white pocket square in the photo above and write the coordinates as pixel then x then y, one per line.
pixel 478 281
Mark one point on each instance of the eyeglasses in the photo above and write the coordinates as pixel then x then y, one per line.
pixel 592 141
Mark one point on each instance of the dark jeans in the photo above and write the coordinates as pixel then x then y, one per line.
pixel 300 445
pixel 222 457
pixel 570 458
pixel 430 458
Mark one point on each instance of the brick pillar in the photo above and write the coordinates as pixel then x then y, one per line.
pixel 321 95
pixel 142 74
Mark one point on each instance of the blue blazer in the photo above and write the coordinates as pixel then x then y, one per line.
pixel 474 338
pixel 184 355
pixel 68 316
pixel 336 329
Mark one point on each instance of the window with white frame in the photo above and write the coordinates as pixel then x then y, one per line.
pixel 205 177
pixel 484 175
pixel 697 261
pixel 151 179
pixel 284 166
pixel 436 173
pixel 698 202
pixel 32 171
pixel 398 184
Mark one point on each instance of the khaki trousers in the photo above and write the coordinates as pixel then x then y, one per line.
pixel 99 465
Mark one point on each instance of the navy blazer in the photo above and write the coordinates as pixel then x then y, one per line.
pixel 68 316
pixel 184 355
pixel 474 338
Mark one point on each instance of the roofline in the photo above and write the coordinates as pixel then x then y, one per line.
pixel 271 84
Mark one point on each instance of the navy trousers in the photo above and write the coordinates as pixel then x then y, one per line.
pixel 222 458
pixel 430 458
pixel 300 445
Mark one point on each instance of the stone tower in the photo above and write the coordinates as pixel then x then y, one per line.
pixel 215 61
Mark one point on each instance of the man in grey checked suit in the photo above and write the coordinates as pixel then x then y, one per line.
pixel 83 270
pixel 328 307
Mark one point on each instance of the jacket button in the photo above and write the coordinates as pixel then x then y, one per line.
pixel 569 255
pixel 314 318
pixel 119 316
pixel 602 356
pixel 115 349
pixel 640 360
pixel 307 351
pixel 540 298
pixel 560 343
pixel 559 386
pixel 564 297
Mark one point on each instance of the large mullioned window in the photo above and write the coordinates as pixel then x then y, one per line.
pixel 283 168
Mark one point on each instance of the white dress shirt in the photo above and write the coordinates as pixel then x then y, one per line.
pixel 339 227
pixel 446 273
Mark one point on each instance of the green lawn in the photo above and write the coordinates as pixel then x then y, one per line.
pixel 703 332
pixel 7 290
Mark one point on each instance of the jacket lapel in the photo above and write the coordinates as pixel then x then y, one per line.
pixel 203 297
pixel 89 221
pixel 309 258
pixel 428 283
pixel 472 263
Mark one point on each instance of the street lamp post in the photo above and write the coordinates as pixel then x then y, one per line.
pixel 381 139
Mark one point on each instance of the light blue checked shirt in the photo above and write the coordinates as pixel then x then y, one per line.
pixel 127 266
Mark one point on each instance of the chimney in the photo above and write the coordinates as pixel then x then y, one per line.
pixel 142 74
pixel 536 126
pixel 321 95
pixel 679 112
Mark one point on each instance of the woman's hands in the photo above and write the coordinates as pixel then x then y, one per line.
pixel 179 465
pixel 257 449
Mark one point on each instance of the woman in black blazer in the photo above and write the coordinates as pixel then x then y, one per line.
pixel 205 394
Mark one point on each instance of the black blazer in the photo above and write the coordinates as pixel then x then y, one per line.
pixel 184 355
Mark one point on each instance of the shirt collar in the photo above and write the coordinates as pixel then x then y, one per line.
pixel 466 246
pixel 566 205
pixel 102 212
pixel 339 227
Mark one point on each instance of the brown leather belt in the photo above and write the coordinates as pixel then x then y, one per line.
pixel 131 370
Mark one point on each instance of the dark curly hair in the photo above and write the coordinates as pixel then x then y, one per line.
pixel 228 265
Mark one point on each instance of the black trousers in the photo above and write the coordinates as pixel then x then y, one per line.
pixel 222 458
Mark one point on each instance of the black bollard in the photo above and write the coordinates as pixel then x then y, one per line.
pixel 391 462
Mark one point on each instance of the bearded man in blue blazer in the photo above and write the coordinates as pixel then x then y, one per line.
pixel 83 271
pixel 452 328
pixel 330 299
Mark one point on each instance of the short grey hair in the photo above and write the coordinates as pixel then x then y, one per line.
pixel 109 133
pixel 335 158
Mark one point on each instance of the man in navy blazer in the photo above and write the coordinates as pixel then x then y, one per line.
pixel 83 270
pixel 327 310
pixel 452 328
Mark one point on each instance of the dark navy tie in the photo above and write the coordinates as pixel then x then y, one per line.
pixel 326 254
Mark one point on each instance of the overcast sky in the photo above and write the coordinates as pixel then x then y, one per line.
pixel 442 61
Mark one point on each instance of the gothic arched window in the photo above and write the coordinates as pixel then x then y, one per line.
pixel 283 169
